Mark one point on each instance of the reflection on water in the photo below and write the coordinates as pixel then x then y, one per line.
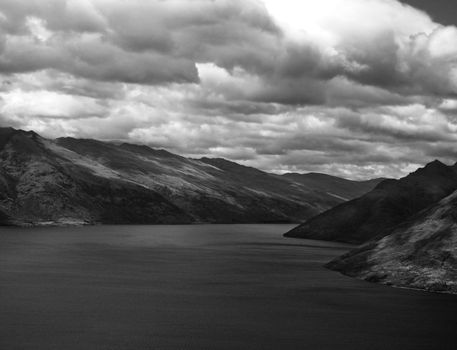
pixel 201 287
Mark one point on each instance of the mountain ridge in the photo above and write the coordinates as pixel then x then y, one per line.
pixel 69 180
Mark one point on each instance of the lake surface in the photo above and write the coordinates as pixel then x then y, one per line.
pixel 201 287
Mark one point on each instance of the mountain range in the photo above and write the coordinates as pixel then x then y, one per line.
pixel 407 227
pixel 75 181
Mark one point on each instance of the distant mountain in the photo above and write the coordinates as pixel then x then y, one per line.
pixel 420 253
pixel 376 213
pixel 336 186
pixel 71 180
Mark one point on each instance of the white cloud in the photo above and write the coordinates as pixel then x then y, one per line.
pixel 48 104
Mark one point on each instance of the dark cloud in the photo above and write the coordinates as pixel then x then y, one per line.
pixel 136 42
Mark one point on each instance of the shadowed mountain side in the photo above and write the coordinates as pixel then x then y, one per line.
pixel 87 181
pixel 4 219
pixel 420 253
pixel 376 213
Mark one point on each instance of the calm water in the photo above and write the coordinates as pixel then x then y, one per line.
pixel 201 287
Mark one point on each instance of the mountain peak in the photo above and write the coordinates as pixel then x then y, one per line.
pixel 24 140
pixel 435 163
pixel 9 131
pixel 434 167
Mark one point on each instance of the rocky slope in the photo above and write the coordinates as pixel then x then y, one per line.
pixel 376 213
pixel 87 181
pixel 420 253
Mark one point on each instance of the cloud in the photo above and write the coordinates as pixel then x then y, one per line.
pixel 291 47
pixel 358 88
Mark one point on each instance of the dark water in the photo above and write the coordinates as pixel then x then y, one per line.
pixel 201 287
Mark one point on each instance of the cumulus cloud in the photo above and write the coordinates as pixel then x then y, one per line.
pixel 357 88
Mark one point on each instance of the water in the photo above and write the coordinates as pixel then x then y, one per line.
pixel 201 287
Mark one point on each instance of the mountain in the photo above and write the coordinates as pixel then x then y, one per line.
pixel 376 213
pixel 70 180
pixel 41 185
pixel 420 253
pixel 336 186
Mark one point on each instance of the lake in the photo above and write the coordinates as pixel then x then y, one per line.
pixel 201 287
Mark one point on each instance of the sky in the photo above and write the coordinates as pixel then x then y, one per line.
pixel 441 11
pixel 353 88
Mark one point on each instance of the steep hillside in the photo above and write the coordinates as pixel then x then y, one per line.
pixel 379 211
pixel 420 253
pixel 207 193
pixel 87 181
